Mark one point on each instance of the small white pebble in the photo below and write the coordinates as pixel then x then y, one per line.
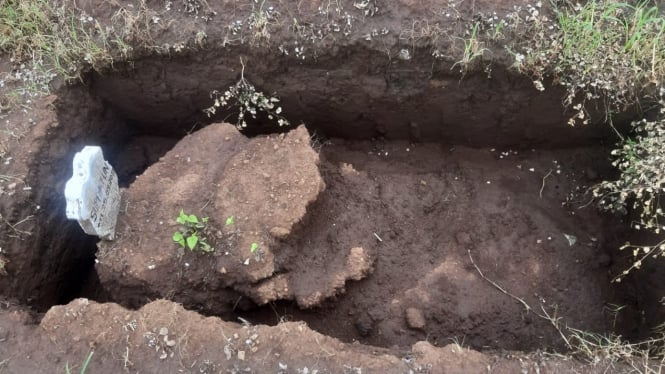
pixel 549 238
pixel 488 182
pixel 408 150
pixel 532 170
pixel 151 267
pixel 539 241
pixel 187 264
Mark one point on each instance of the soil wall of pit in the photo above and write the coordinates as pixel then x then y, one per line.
pixel 355 93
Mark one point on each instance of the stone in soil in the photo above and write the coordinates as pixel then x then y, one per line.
pixel 415 319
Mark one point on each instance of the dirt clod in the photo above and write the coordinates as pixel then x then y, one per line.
pixel 463 238
pixel 252 193
pixel 279 232
pixel 415 319
pixel 364 325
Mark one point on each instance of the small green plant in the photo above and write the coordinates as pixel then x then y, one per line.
pixel 473 49
pixel 249 102
pixel 190 234
pixel 230 220
pixel 253 248
pixel 259 21
pixel 68 370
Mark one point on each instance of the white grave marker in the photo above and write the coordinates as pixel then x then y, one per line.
pixel 92 194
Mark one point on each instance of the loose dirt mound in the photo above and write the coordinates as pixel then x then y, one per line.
pixel 163 337
pixel 253 191
pixel 420 209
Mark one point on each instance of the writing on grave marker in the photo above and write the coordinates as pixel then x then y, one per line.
pixel 92 194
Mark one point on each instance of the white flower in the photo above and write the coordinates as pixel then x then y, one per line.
pixel 539 85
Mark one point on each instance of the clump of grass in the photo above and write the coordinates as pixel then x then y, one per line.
pixel 601 49
pixel 58 37
pixel 474 48
pixel 23 26
pixel 45 34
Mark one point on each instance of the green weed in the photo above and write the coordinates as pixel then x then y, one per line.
pixel 190 234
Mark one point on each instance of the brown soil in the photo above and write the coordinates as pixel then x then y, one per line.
pixel 432 206
pixel 162 337
pixel 418 210
pixel 373 221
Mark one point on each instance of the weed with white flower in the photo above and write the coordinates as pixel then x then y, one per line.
pixel 249 102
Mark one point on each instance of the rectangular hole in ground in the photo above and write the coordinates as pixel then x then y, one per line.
pixel 430 204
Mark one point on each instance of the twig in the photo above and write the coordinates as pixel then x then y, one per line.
pixel 543 186
pixel 126 359
pixel 323 349
pixel 236 303
pixel 493 283
pixel 377 237
pixel 18 223
pixel 5 177
pixel 555 322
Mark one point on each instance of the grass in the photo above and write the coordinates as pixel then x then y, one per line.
pixel 601 50
pixel 50 36
pixel 259 21
pixel 84 367
pixel 615 42
pixel 474 48
pixel 58 38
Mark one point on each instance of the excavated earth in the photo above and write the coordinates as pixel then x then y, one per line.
pixel 400 224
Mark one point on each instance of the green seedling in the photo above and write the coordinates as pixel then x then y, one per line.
pixel 230 220
pixel 254 247
pixel 189 235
